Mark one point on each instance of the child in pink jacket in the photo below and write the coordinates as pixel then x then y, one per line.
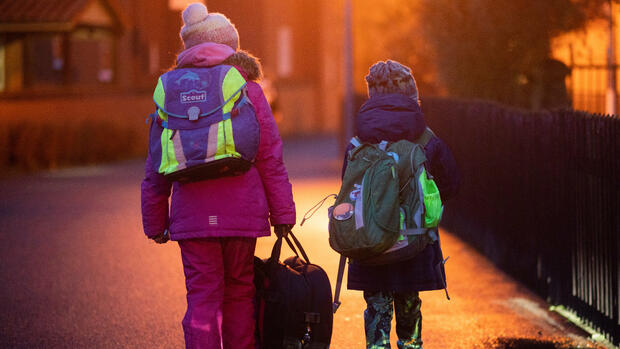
pixel 216 222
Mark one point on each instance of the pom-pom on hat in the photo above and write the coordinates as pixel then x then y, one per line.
pixel 391 77
pixel 201 26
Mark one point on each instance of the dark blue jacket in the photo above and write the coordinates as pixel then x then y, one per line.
pixel 392 118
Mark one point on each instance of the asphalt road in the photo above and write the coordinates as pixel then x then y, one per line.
pixel 77 272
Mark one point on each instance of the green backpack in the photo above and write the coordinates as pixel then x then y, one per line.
pixel 388 208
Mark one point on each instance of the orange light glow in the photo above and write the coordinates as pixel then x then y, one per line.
pixel 180 5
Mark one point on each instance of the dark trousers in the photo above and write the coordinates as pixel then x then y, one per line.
pixel 380 307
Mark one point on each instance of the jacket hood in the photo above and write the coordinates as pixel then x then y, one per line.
pixel 204 55
pixel 390 117
pixel 249 64
pixel 210 54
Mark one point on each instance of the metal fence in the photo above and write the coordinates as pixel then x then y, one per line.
pixel 541 198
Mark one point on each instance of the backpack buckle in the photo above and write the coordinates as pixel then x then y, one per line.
pixel 193 113
pixel 383 145
pixel 335 306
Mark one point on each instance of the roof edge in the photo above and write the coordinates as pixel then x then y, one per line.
pixel 113 7
pixel 117 11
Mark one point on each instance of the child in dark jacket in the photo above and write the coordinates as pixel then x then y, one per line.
pixel 393 113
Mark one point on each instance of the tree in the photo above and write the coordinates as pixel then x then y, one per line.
pixel 493 48
pixel 390 29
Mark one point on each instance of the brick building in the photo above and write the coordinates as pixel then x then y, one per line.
pixel 57 55
pixel 83 46
pixel 586 53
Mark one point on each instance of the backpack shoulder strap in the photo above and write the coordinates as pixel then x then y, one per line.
pixel 341 265
pixel 232 85
pixel 425 137
pixel 356 143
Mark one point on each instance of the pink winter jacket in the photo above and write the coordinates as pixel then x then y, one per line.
pixel 230 206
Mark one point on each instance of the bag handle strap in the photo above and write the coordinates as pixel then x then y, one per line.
pixel 341 266
pixel 298 244
pixel 277 249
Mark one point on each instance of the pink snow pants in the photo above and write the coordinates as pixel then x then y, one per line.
pixel 219 277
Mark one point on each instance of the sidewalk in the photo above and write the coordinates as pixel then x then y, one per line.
pixel 488 309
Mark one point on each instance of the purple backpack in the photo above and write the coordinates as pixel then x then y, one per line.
pixel 205 126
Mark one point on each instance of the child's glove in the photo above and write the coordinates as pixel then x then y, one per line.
pixel 282 230
pixel 161 238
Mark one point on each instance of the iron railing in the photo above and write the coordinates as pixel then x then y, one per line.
pixel 541 198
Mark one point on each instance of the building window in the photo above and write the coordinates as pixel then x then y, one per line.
pixel 91 58
pixel 153 58
pixel 106 61
pixel 58 59
pixel 44 60
pixel 82 58
pixel 285 54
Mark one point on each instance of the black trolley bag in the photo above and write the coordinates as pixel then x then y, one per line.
pixel 293 301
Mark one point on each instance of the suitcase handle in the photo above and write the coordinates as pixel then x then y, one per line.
pixel 277 248
pixel 298 244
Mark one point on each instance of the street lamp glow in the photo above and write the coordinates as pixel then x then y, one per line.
pixel 180 5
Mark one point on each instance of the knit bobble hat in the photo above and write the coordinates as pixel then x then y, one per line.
pixel 391 77
pixel 200 26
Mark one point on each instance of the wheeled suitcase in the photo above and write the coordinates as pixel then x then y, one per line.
pixel 293 301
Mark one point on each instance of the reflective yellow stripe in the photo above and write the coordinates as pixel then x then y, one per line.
pixel 159 96
pixel 164 158
pixel 225 142
pixel 230 141
pixel 231 84
pixel 217 157
pixel 168 159
pixel 221 140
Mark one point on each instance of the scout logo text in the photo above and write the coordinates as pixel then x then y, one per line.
pixel 193 96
